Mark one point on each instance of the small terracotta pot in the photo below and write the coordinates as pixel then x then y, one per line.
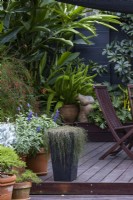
pixel 69 113
pixel 21 191
pixel 6 187
pixel 39 163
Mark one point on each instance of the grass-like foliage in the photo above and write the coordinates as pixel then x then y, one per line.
pixel 66 138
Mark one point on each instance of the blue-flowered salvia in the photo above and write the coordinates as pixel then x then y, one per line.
pixel 56 116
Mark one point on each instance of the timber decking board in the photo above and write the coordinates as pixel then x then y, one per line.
pixel 91 169
pixel 113 175
pixel 81 197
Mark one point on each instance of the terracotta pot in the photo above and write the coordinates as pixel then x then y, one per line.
pixel 21 191
pixel 69 113
pixel 39 163
pixel 6 187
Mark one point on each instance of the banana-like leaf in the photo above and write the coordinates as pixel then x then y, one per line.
pixel 77 11
pixel 45 2
pixel 66 57
pixel 88 28
pixel 40 28
pixel 64 30
pixel 62 40
pixel 42 63
pixel 10 35
pixel 49 101
pixel 58 105
pixel 107 25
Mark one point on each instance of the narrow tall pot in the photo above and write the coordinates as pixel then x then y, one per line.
pixel 64 169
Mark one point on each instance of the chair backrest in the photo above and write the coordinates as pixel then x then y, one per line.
pixel 130 94
pixel 107 107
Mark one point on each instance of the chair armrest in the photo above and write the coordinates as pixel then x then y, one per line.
pixel 124 127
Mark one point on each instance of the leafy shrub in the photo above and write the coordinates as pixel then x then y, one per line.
pixel 120 53
pixel 16 87
pixel 9 159
pixel 120 101
pixel 31 132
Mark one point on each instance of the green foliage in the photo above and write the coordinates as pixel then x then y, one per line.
pixel 120 101
pixel 37 31
pixel 67 86
pixel 97 69
pixel 27 175
pixel 121 52
pixel 63 138
pixel 31 132
pixel 9 159
pixel 96 116
pixel 16 86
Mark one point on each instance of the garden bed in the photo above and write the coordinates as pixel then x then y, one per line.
pixel 95 133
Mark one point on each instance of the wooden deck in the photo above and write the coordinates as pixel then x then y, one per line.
pixel 113 175
pixel 82 197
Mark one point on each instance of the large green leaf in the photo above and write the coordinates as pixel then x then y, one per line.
pixel 62 40
pixel 45 2
pixel 66 57
pixel 40 28
pixel 10 35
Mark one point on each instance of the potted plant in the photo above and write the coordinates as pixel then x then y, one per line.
pixel 66 145
pixel 21 189
pixel 64 93
pixel 8 160
pixel 32 139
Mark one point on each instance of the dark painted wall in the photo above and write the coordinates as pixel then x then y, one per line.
pixel 94 52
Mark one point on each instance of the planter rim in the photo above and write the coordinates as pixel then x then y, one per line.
pixel 26 184
pixel 9 180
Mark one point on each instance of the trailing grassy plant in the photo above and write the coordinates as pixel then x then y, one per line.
pixel 65 138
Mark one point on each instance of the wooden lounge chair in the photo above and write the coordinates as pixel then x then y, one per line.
pixel 130 94
pixel 123 142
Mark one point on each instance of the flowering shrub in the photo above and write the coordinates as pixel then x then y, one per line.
pixel 31 132
pixel 16 87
